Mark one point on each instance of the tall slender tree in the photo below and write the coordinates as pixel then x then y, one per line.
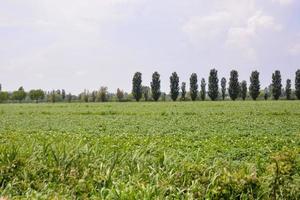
pixel 137 86
pixel 254 88
pixel 297 84
pixel 213 85
pixel 288 90
pixel 244 90
pixel 193 86
pixel 63 94
pixel 234 86
pixel 276 84
pixel 174 86
pixel 183 91
pixel 203 89
pixel 223 87
pixel 146 91
pixel 155 86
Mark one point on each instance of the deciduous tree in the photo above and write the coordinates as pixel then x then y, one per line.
pixel 297 84
pixel 203 89
pixel 244 90
pixel 36 95
pixel 155 86
pixel 234 86
pixel 183 91
pixel 174 86
pixel 288 90
pixel 137 86
pixel 254 87
pixel 276 84
pixel 223 87
pixel 213 85
pixel 194 86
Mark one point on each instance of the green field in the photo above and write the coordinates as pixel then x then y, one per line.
pixel 183 150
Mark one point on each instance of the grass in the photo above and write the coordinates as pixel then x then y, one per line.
pixel 184 150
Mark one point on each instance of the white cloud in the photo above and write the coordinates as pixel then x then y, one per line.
pixel 294 49
pixel 284 2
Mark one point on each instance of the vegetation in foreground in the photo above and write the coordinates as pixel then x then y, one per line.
pixel 190 150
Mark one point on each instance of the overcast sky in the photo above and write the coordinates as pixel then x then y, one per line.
pixel 77 44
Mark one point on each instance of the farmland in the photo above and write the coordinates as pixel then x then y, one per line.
pixel 187 150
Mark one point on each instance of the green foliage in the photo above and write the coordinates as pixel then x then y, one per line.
pixel 146 92
pixel 102 94
pixel 266 93
pixel 137 86
pixel 183 91
pixel 223 87
pixel 194 86
pixel 19 95
pixel 174 86
pixel 199 150
pixel 254 88
pixel 3 96
pixel 120 95
pixel 36 95
pixel 63 94
pixel 288 89
pixel 276 84
pixel 297 84
pixel 234 86
pixel 203 89
pixel 213 85
pixel 155 86
pixel 244 90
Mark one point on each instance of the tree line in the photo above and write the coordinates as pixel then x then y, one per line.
pixel 231 88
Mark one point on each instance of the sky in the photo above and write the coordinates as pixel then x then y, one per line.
pixel 76 45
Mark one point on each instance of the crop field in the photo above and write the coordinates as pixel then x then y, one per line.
pixel 165 150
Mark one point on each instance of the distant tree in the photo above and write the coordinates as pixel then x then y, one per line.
pixel 234 86
pixel 93 96
pixel 69 97
pixel 174 86
pixel 3 96
pixel 244 90
pixel 276 84
pixel 288 90
pixel 194 86
pixel 63 94
pixel 203 89
pixel 213 84
pixel 36 95
pixel 297 84
pixel 146 92
pixel 137 86
pixel 266 93
pixel 102 94
pixel 58 92
pixel 0 87
pixel 254 88
pixel 183 91
pixel 19 95
pixel 223 86
pixel 120 95
pixel 155 86
pixel 84 96
pixel 163 96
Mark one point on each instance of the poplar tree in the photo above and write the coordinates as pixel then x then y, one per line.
pixel 276 84
pixel 244 90
pixel 254 88
pixel 223 86
pixel 203 89
pixel 193 86
pixel 288 89
pixel 155 86
pixel 213 85
pixel 297 84
pixel 174 86
pixel 183 91
pixel 137 86
pixel 234 86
